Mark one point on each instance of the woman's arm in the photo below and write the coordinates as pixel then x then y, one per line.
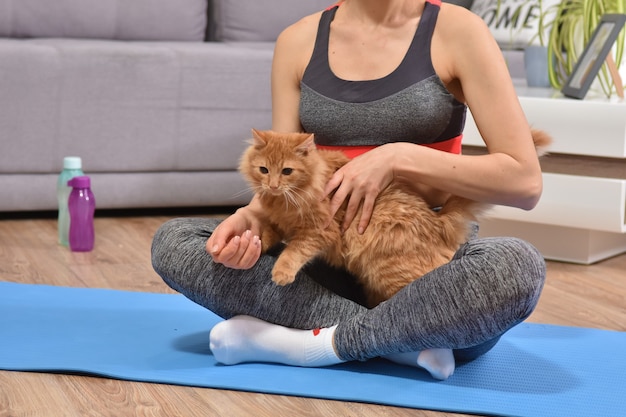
pixel 235 242
pixel 292 53
pixel 510 174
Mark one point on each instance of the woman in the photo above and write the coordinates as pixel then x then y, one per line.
pixel 388 82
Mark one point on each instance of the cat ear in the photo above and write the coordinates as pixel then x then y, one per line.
pixel 307 145
pixel 257 139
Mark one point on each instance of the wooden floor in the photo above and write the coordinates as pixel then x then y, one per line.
pixel 590 296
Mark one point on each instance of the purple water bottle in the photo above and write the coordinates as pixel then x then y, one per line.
pixel 82 206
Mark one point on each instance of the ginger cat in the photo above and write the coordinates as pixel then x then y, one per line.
pixel 404 240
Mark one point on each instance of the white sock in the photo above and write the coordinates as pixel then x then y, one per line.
pixel 438 362
pixel 248 339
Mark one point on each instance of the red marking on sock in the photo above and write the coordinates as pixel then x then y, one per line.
pixel 316 332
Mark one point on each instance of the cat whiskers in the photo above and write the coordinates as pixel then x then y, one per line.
pixel 294 198
pixel 245 191
pixel 300 198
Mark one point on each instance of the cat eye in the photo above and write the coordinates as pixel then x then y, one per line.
pixel 287 171
pixel 263 170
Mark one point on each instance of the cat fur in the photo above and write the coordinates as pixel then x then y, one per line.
pixel 405 237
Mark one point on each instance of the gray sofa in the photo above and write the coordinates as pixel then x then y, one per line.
pixel 156 96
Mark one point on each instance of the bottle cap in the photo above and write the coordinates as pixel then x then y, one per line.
pixel 72 162
pixel 81 181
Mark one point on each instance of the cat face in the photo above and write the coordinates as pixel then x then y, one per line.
pixel 276 175
pixel 279 163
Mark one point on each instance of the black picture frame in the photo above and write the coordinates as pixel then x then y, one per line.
pixel 594 55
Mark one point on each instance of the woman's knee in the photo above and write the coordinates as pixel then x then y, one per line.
pixel 513 272
pixel 517 268
pixel 525 270
pixel 176 241
pixel 507 253
pixel 162 242
pixel 526 259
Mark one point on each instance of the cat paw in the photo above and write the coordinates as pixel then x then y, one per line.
pixel 282 277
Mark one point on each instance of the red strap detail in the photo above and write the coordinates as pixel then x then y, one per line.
pixel 451 145
pixel 335 5
pixel 349 151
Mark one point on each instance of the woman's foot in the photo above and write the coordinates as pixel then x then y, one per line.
pixel 438 362
pixel 248 339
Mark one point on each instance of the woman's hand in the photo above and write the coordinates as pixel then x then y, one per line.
pixel 359 182
pixel 235 242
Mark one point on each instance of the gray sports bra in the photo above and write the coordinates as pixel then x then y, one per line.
pixel 409 105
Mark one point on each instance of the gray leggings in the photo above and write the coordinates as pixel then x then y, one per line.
pixel 489 286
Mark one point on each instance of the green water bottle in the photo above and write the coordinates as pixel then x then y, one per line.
pixel 72 167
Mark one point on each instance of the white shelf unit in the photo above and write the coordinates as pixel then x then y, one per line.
pixel 580 218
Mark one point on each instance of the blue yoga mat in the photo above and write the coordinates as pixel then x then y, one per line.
pixel 535 370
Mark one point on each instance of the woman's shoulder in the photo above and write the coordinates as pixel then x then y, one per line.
pixel 463 32
pixel 301 32
pixel 458 23
pixel 463 46
pixel 295 44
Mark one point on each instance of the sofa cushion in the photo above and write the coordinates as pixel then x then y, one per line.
pixel 130 106
pixel 173 20
pixel 514 23
pixel 250 20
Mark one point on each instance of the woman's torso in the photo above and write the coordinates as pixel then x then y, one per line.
pixel 409 104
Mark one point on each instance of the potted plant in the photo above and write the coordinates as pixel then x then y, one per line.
pixel 570 29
